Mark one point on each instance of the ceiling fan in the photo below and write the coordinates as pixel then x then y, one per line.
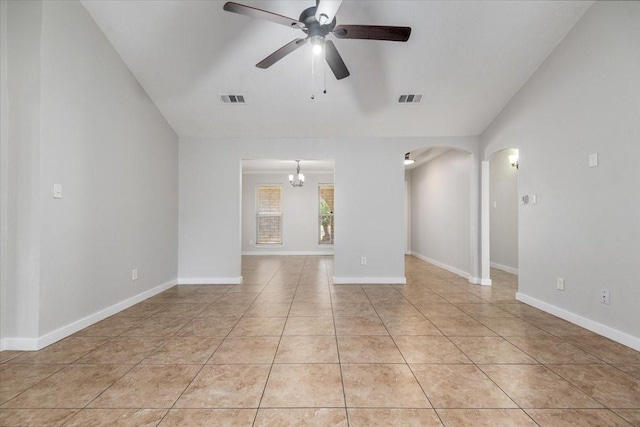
pixel 317 22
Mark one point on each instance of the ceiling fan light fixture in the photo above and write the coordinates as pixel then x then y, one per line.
pixel 317 43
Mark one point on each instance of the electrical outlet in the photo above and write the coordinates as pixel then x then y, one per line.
pixel 560 284
pixel 604 296
pixel 363 260
pixel 134 274
pixel 593 160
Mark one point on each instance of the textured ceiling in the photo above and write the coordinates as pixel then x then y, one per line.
pixel 467 57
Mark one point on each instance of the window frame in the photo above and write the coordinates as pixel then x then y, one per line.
pixel 321 215
pixel 259 215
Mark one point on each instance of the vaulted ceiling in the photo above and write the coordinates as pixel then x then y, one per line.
pixel 468 58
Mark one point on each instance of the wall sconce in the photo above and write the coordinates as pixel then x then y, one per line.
pixel 407 160
pixel 513 159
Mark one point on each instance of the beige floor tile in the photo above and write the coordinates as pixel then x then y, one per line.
pixel 534 386
pixel 251 350
pixel 307 349
pixel 485 418
pixel 360 326
pixel 604 383
pixel 16 378
pixel 71 387
pixel 432 310
pixel 309 326
pixel 460 386
pixel 631 415
pixel 117 418
pixel 110 327
pixel 35 417
pixel 361 417
pixel 222 309
pixel 180 310
pixel 184 351
pixel 307 417
pixel 7 355
pixel 65 351
pixel 382 386
pixel 461 326
pixel 258 326
pixel 143 309
pixel 606 350
pixel 429 349
pixel 156 327
pixel 491 350
pixel 576 417
pixel 268 310
pixel 123 350
pixel 484 310
pixel 305 385
pixel 310 310
pixel 412 325
pixel 350 309
pixel 368 349
pixel 208 327
pixel 148 386
pixel 552 350
pixel 512 327
pixel 209 417
pixel 633 370
pixel 226 386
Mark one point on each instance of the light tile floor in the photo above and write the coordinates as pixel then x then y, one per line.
pixel 287 348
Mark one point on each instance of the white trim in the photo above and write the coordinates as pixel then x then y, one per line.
pixel 479 281
pixel 504 268
pixel 71 328
pixel 598 328
pixel 210 280
pixel 288 253
pixel 469 277
pixel 369 280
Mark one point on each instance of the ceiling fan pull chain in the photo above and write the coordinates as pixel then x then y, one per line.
pixel 324 69
pixel 313 76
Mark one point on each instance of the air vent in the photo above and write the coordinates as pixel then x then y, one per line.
pixel 415 98
pixel 232 99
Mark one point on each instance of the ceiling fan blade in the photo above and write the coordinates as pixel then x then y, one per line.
pixel 262 14
pixel 372 32
pixel 281 53
pixel 335 61
pixel 326 10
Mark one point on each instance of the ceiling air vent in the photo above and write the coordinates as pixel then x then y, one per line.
pixel 415 98
pixel 232 99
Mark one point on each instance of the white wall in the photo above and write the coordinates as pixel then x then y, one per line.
pixel 21 40
pixel 103 139
pixel 300 226
pixel 504 212
pixel 585 98
pixel 441 211
pixel 369 191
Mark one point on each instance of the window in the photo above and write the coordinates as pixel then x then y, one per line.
pixel 269 214
pixel 325 214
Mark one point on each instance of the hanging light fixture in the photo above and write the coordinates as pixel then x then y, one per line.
pixel 407 160
pixel 299 181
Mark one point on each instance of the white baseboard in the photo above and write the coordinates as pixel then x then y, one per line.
pixel 504 268
pixel 454 270
pixel 72 328
pixel 289 253
pixel 598 328
pixel 210 280
pixel 369 280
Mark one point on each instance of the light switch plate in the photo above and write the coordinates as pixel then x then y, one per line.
pixel 57 191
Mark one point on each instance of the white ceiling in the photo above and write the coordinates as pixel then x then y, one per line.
pixel 286 166
pixel 468 58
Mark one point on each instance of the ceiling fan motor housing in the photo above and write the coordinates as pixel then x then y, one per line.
pixel 312 27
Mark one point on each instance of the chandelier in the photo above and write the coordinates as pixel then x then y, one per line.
pixel 299 181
